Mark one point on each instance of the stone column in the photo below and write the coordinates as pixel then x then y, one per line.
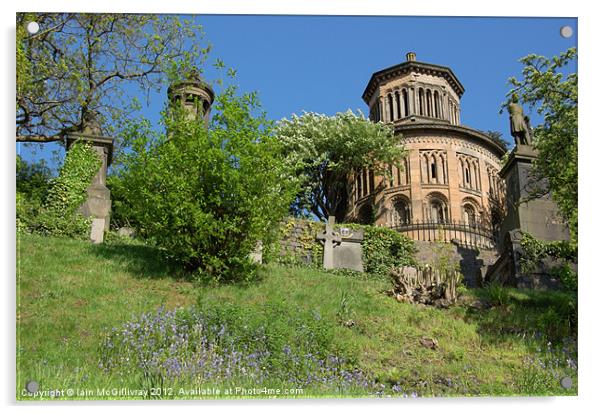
pixel 415 184
pixel 98 204
pixel 395 111
pixel 381 105
pixel 455 198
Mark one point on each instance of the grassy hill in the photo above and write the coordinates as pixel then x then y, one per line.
pixel 496 341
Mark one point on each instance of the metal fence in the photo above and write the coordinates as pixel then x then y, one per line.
pixel 466 234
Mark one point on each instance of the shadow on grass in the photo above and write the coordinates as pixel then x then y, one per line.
pixel 507 313
pixel 141 261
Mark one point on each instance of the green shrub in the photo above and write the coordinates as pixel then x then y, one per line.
pixel 566 275
pixel 384 249
pixel 206 196
pixel 33 181
pixel 535 251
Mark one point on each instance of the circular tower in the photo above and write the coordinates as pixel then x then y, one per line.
pixel 449 179
pixel 193 94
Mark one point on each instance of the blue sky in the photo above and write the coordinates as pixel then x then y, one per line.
pixel 323 63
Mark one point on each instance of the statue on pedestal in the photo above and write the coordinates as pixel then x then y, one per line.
pixel 519 123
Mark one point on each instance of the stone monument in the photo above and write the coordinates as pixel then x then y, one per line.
pixel 520 128
pixel 329 239
pixel 98 204
pixel 194 95
pixel 537 215
pixel 342 249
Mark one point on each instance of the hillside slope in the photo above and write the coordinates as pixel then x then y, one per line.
pixel 70 293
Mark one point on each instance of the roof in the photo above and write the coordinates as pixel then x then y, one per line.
pixel 411 66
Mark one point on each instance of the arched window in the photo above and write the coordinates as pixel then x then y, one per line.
pixel 390 98
pixel 470 215
pixel 437 109
pixel 421 101
pixel 365 215
pixel 397 104
pixel 429 103
pixel 438 213
pixel 437 210
pixel 400 212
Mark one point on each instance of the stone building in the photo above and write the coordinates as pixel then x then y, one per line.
pixel 449 185
pixel 194 95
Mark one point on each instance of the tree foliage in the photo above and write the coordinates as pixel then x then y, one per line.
pixel 325 151
pixel 79 63
pixel 207 196
pixel 548 87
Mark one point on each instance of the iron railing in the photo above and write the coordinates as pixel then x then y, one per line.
pixel 466 234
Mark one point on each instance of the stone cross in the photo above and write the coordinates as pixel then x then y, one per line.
pixel 329 239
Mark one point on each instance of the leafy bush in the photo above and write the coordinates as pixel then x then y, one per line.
pixel 384 249
pixel 208 195
pixel 33 181
pixel 566 275
pixel 58 214
pixel 535 251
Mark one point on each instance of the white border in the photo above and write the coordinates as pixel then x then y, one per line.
pixel 590 138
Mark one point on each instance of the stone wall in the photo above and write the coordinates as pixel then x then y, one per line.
pixel 473 262
pixel 298 240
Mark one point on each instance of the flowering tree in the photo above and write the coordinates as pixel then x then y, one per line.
pixel 323 151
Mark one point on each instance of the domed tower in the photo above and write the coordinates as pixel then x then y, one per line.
pixel 449 180
pixel 193 94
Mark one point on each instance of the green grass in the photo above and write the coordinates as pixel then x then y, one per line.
pixel 71 292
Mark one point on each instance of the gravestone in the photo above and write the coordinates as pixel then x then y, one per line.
pixel 342 249
pixel 329 239
pixel 348 254
pixel 98 203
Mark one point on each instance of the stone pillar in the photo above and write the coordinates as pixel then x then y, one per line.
pixel 444 107
pixel 98 204
pixel 485 187
pixel 540 216
pixel 387 109
pixel 455 198
pixel 395 111
pixel 415 184
pixel 383 104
